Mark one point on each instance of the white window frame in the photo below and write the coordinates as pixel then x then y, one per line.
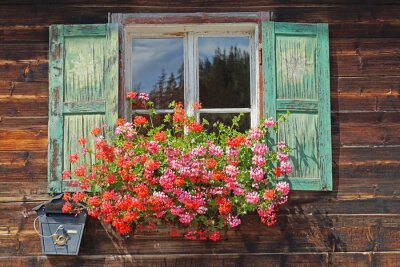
pixel 190 34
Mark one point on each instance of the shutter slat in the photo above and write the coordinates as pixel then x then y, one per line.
pixel 304 105
pixel 296 78
pixel 86 30
pixel 83 90
pixel 85 107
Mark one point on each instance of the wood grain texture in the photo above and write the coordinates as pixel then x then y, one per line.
pixel 296 232
pixel 357 219
pixel 360 259
pixel 211 3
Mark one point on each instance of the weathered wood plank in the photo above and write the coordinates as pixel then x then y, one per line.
pixel 24 163
pixel 346 103
pixel 371 117
pixel 15 89
pixel 368 65
pixel 21 33
pixel 337 14
pixel 194 260
pixel 31 139
pixel 39 51
pixel 371 29
pixel 96 13
pixel 32 188
pixel 297 232
pixel 365 135
pixel 365 128
pixel 36 107
pixel 364 46
pixel 366 86
pixel 349 259
pixel 22 122
pixel 24 70
pixel 180 3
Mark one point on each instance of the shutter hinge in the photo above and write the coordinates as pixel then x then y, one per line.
pixel 260 59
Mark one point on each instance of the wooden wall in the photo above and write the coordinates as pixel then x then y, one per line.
pixel 355 225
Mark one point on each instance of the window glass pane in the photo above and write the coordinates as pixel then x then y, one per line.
pixel 226 118
pixel 224 72
pixel 157 69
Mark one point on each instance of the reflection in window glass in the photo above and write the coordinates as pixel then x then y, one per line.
pixel 224 72
pixel 226 118
pixel 157 69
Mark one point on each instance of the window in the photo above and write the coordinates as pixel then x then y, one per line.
pixel 212 64
pixel 231 63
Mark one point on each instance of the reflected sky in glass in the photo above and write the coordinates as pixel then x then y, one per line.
pixel 153 56
pixel 224 72
pixel 208 45
pixel 157 69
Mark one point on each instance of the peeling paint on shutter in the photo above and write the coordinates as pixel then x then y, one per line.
pixel 296 78
pixel 83 91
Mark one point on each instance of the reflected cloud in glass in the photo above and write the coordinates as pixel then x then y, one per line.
pixel 157 69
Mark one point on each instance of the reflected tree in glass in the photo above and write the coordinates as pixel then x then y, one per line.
pixel 157 69
pixel 224 72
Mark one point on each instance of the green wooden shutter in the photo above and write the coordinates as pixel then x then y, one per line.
pixel 296 78
pixel 83 91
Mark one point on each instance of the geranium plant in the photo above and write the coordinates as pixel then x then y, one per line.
pixel 181 175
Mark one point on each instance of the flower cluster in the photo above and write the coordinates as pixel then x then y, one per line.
pixel 180 174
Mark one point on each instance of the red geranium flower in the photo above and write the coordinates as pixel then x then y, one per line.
pixel 82 141
pixel 195 127
pixel 215 236
pixel 196 105
pixel 66 196
pixel 277 172
pixel 269 194
pixel 96 131
pixel 80 171
pixel 211 163
pixel 94 201
pixel 159 136
pixel 236 141
pixel 179 113
pixel 224 206
pixel 131 95
pixel 66 174
pixel 73 157
pixel 139 120
pixel 120 121
pixel 67 207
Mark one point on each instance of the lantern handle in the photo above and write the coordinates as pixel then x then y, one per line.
pixel 45 236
